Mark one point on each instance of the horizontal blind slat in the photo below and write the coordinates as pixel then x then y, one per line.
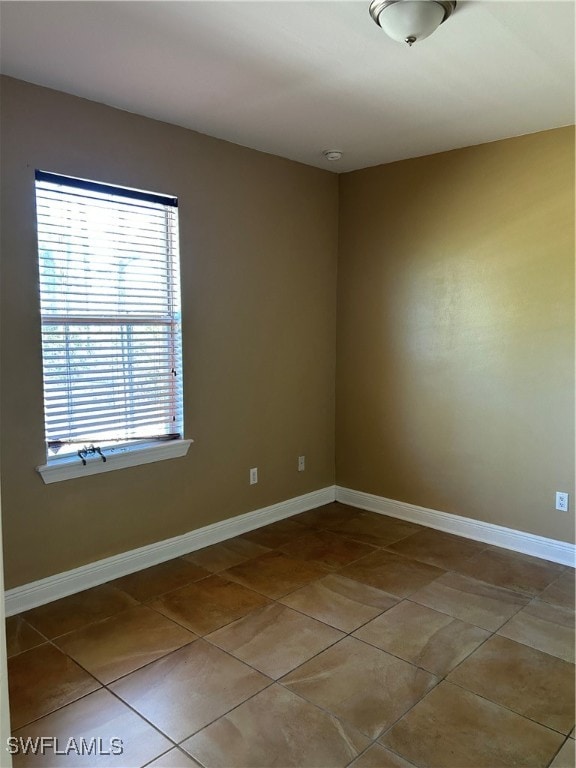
pixel 99 396
pixel 109 289
pixel 109 412
pixel 111 427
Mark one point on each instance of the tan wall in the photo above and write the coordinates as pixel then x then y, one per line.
pixel 258 261
pixel 455 372
pixel 455 375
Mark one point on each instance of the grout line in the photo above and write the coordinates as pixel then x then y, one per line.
pixel 53 711
pixel 559 748
pixel 157 757
pixel 504 706
pixel 224 714
pixel 143 717
pixel 148 663
pixel 222 574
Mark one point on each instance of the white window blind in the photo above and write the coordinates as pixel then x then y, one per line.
pixel 110 305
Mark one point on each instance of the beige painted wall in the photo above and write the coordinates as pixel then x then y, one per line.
pixel 455 362
pixel 258 261
pixel 5 757
pixel 455 376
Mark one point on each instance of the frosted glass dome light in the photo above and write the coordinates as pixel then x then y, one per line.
pixel 409 21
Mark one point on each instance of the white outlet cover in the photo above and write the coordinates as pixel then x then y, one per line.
pixel 562 501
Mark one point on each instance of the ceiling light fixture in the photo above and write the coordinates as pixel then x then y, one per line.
pixel 332 154
pixel 409 21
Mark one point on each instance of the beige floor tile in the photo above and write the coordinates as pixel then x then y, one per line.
pixel 274 574
pixel 437 548
pixel 379 530
pixel 189 688
pixel 392 573
pixel 174 759
pixel 566 757
pixel 511 570
pixel 99 716
pixel 20 636
pixel 453 728
pixel 326 548
pixel 159 579
pixel 507 700
pixel 276 534
pixel 123 643
pixel 275 639
pixel 470 600
pixel 561 591
pixel 363 685
pixel 209 604
pixel 78 610
pixel 226 554
pixel 532 683
pixel 431 640
pixel 379 757
pixel 276 728
pixel 549 628
pixel 327 516
pixel 42 680
pixel 340 602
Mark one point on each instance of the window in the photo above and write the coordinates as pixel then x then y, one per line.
pixel 111 334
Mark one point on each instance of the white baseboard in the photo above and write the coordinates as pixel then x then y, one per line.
pixel 62 584
pixel 489 533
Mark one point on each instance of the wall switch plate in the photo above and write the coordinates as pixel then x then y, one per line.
pixel 301 463
pixel 562 501
pixel 253 475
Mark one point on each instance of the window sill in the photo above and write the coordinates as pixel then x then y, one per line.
pixel 116 458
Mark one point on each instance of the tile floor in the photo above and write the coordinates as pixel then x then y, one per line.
pixel 336 638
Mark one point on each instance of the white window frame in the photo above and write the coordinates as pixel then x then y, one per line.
pixel 117 455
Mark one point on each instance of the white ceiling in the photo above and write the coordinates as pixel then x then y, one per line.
pixel 294 78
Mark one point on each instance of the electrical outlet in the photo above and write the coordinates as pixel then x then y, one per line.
pixel 253 475
pixel 562 501
pixel 301 463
